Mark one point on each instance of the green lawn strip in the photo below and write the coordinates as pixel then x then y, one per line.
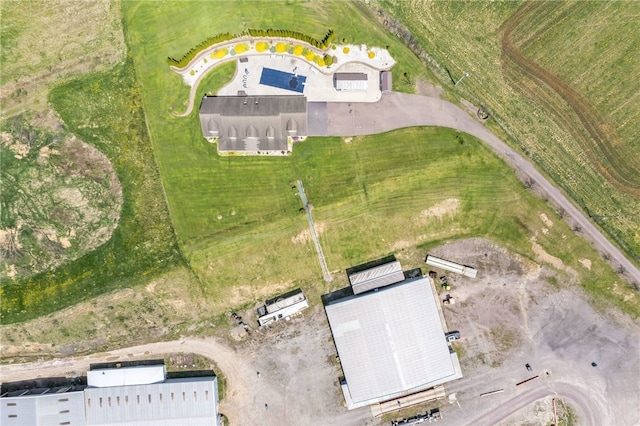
pixel 104 109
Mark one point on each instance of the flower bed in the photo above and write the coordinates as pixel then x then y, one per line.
pixel 262 46
pixel 219 53
pixel 241 48
pixel 282 47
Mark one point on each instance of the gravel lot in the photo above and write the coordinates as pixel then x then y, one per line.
pixel 510 316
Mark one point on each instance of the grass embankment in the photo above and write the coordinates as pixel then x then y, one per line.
pixel 559 78
pixel 104 109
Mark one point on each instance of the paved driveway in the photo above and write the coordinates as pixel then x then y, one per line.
pixel 398 110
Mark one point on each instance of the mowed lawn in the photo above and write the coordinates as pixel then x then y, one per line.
pixel 238 219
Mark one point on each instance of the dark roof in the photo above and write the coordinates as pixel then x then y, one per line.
pixel 253 106
pixel 385 81
pixel 253 123
pixel 350 76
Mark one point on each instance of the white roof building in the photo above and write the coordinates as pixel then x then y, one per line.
pixel 138 395
pixel 391 342
pixel 126 376
pixel 43 409
pixel 350 81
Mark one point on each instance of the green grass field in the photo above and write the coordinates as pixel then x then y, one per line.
pixel 562 65
pixel 237 220
pixel 229 213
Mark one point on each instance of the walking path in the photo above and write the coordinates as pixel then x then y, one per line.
pixel 305 204
pixel 398 110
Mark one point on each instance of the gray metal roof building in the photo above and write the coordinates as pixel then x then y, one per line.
pixel 391 342
pixel 253 123
pixel 386 80
pixel 375 277
pixel 350 81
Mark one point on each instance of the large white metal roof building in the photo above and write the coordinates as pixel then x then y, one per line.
pixel 391 342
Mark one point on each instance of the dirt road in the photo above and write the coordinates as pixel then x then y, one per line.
pixel 297 378
pixel 398 110
pixel 578 399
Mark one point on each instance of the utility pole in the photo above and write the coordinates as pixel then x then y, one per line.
pixel 465 74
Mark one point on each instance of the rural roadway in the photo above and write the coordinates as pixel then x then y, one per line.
pixel 242 391
pixel 399 110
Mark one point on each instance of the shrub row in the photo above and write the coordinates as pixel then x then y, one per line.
pixel 320 44
pixel 199 48
pixel 260 47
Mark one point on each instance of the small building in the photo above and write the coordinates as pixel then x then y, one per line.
pixel 375 274
pixel 254 125
pixel 447 265
pixel 386 82
pixel 350 81
pixel 282 306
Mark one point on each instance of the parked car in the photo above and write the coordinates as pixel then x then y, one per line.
pixel 452 335
pixel 529 367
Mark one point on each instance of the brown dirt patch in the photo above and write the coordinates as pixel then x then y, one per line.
pixel 305 235
pixel 65 200
pixel 441 209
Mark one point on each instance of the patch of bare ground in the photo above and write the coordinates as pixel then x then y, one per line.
pixel 305 235
pixel 441 209
pixel 62 198
pixel 514 314
pixel 425 88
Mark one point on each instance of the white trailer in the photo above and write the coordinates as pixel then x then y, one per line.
pixel 282 306
pixel 467 271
